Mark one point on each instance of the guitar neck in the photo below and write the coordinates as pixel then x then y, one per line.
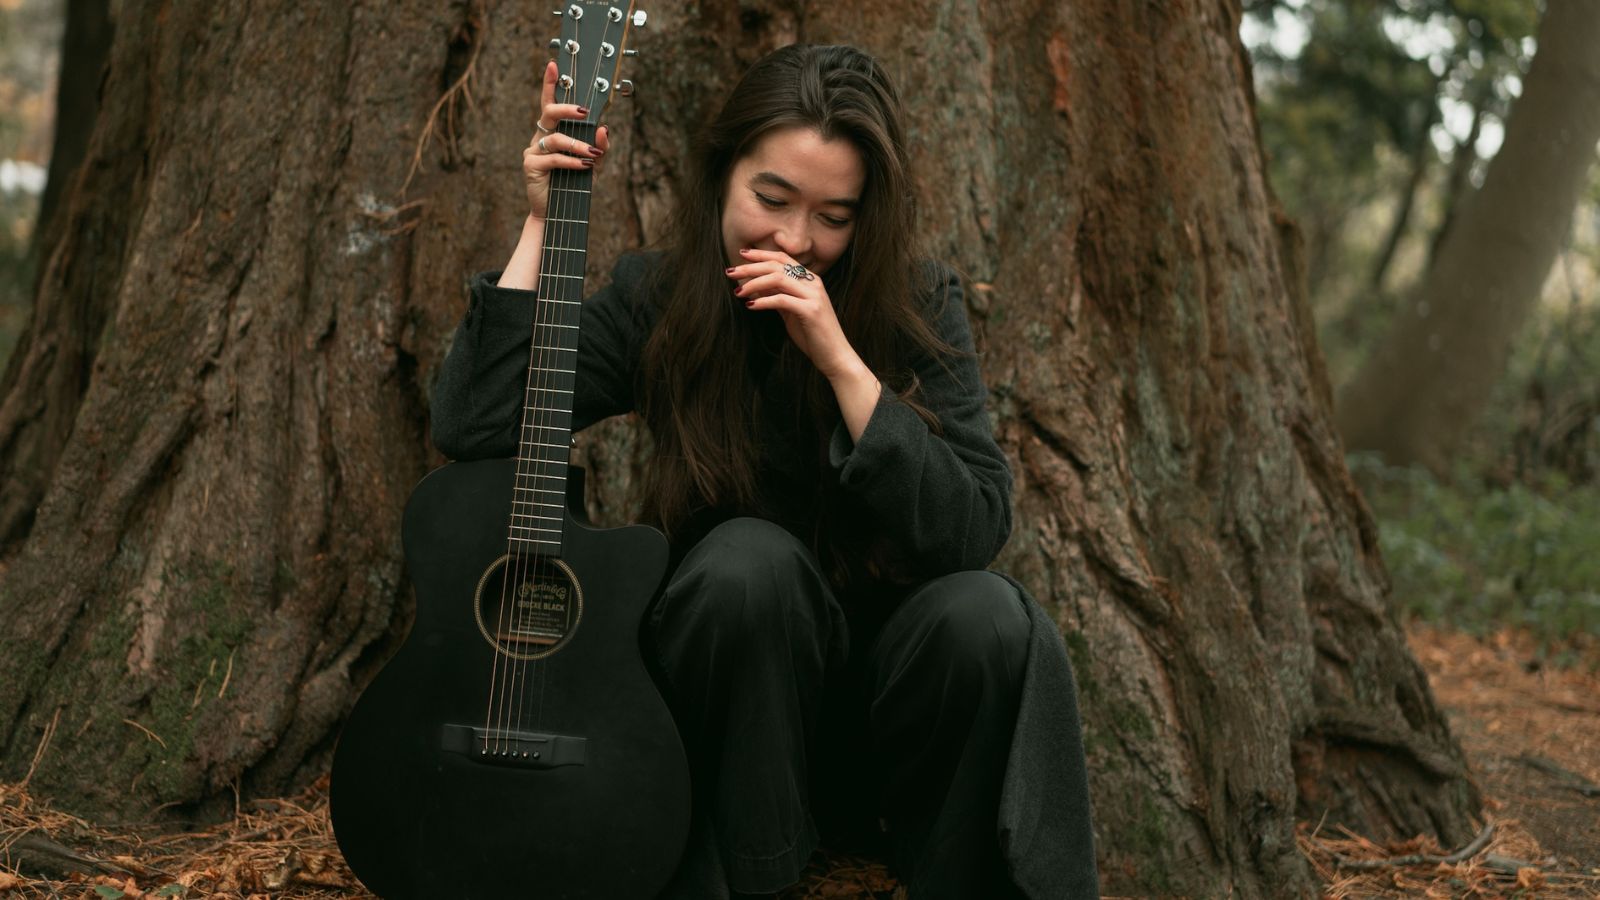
pixel 539 493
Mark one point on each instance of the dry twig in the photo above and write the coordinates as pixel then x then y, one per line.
pixel 1416 859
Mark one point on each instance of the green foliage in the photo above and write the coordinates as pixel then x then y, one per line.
pixel 1497 25
pixel 1327 113
pixel 1480 556
pixel 1368 116
pixel 1374 104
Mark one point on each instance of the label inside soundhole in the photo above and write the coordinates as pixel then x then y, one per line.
pixel 528 607
pixel 542 613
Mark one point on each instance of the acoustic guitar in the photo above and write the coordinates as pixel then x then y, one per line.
pixel 516 745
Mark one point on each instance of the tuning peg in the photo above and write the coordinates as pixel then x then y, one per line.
pixel 624 88
pixel 630 53
pixel 555 43
pixel 639 18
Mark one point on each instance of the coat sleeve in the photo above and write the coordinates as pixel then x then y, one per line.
pixel 942 499
pixel 477 399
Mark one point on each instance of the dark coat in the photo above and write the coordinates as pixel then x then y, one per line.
pixel 943 501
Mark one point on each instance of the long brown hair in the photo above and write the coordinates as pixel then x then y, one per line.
pixel 696 396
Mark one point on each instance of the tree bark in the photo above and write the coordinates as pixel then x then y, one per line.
pixel 232 343
pixel 1422 390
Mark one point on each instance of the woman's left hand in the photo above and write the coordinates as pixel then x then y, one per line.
pixel 772 280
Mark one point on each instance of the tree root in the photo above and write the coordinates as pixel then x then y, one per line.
pixel 1415 859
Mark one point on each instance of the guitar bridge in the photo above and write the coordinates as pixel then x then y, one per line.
pixel 520 749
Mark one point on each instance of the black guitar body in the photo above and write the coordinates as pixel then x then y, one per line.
pixel 568 780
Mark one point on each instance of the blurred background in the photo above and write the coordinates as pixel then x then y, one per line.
pixel 30 55
pixel 1380 119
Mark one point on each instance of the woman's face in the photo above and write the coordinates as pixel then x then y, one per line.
pixel 795 193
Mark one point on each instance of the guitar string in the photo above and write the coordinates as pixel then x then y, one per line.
pixel 497 715
pixel 547 354
pixel 528 563
pixel 580 208
pixel 494 726
pixel 565 207
pixel 511 574
pixel 555 229
pixel 521 565
pixel 550 298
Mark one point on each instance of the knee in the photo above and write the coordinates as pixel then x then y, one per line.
pixel 746 538
pixel 975 623
pixel 748 552
pixel 746 574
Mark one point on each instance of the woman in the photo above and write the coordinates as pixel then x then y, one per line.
pixel 828 478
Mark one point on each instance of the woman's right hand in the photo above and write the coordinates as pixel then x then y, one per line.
pixel 550 149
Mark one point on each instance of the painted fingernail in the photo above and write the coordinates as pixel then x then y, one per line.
pixel 728 271
pixel 749 303
pixel 583 110
pixel 596 151
pixel 588 163
pixel 744 249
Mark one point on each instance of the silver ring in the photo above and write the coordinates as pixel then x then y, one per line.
pixel 798 272
pixel 539 124
pixel 541 146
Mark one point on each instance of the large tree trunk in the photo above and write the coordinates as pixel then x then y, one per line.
pixel 232 341
pixel 1418 396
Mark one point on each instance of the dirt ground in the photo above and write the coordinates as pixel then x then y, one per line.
pixel 1531 731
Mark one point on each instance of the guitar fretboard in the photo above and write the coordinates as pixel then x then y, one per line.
pixel 539 494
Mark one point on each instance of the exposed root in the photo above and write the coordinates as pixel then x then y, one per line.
pixel 450 103
pixel 44 744
pixel 1416 859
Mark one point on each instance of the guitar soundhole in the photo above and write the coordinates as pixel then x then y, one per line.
pixel 528 607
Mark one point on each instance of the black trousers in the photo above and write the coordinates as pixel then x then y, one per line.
pixel 883 716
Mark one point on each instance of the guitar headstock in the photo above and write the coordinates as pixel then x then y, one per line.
pixel 589 52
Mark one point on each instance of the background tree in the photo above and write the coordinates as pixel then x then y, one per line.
pixel 1333 109
pixel 84 46
pixel 209 430
pixel 1504 537
pixel 1373 113
pixel 1449 348
pixel 30 35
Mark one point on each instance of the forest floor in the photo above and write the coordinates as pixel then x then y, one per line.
pixel 1531 732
